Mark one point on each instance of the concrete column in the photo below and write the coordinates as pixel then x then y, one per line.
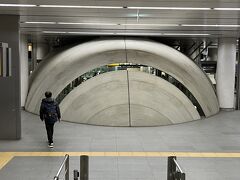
pixel 34 56
pixel 42 50
pixel 225 75
pixel 10 101
pixel 24 68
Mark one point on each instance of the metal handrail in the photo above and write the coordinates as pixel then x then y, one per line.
pixel 177 165
pixel 175 172
pixel 202 50
pixel 195 49
pixel 66 164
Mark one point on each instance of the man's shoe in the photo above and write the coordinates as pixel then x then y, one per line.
pixel 50 145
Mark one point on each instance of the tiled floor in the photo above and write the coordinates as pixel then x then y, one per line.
pixel 146 150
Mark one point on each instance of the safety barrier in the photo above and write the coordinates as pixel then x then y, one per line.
pixel 66 164
pixel 84 169
pixel 175 172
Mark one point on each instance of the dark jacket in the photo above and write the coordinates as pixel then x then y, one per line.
pixel 49 103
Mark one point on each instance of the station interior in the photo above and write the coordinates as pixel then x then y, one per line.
pixel 147 90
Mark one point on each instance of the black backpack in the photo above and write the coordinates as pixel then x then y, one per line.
pixel 51 112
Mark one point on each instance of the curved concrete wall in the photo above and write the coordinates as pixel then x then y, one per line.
pixel 58 71
pixel 103 100
pixel 154 101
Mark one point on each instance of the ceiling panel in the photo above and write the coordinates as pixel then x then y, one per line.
pixel 144 21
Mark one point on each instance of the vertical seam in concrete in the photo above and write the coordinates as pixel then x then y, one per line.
pixel 129 104
pixel 238 79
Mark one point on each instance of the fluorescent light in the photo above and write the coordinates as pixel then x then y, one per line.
pixel 170 8
pixel 184 34
pixel 211 25
pixel 150 24
pixel 197 25
pixel 88 7
pixel 124 33
pixel 161 34
pixel 117 7
pixel 92 33
pixel 83 33
pixel 70 23
pixel 17 5
pixel 79 23
pixel 54 32
pixel 39 22
pixel 96 23
pixel 227 9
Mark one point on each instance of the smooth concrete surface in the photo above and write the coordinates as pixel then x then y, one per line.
pixel 24 68
pixel 59 70
pixel 225 75
pixel 10 95
pixel 102 100
pixel 154 102
pixel 106 100
pixel 219 134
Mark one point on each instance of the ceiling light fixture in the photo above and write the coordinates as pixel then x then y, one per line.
pixel 211 25
pixel 184 34
pixel 227 9
pixel 39 22
pixel 82 23
pixel 125 33
pixel 118 7
pixel 97 23
pixel 150 24
pixel 169 8
pixel 54 32
pixel 92 33
pixel 87 7
pixel 17 5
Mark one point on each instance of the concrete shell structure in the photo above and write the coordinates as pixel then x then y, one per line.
pixel 105 100
pixel 59 70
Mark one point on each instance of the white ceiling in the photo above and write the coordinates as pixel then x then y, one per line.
pixel 154 22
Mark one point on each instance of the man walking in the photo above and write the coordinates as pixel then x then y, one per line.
pixel 50 113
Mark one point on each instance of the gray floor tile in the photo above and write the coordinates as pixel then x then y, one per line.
pixel 220 133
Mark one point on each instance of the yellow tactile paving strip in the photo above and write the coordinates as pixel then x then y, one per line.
pixel 5 157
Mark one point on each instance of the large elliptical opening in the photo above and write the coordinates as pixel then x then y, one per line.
pixel 129 66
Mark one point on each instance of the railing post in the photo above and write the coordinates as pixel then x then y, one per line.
pixel 183 176
pixel 178 176
pixel 171 167
pixel 67 169
pixel 75 174
pixel 84 167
